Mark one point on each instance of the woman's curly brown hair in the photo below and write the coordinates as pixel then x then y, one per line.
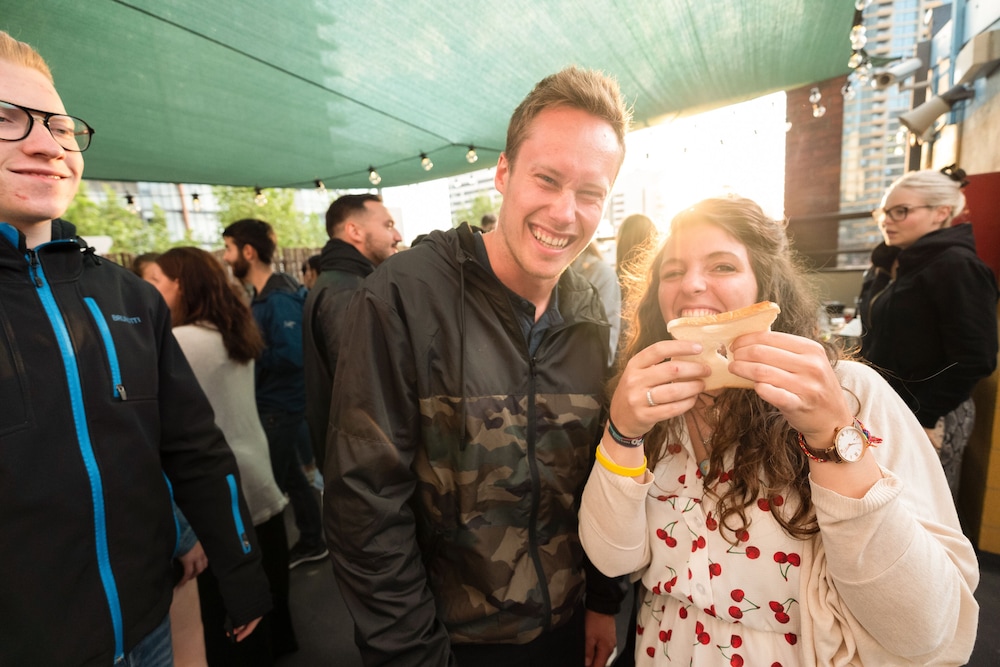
pixel 766 460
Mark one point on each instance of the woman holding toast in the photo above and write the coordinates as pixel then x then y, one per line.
pixel 780 505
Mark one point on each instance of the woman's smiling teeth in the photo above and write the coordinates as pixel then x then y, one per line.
pixel 697 312
pixel 549 241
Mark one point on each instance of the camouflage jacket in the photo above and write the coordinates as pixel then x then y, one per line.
pixel 455 460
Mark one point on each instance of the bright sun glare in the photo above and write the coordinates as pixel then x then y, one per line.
pixel 739 149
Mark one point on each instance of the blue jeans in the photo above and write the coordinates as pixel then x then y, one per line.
pixel 153 650
pixel 284 430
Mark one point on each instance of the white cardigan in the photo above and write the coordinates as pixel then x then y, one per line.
pixel 230 389
pixel 888 580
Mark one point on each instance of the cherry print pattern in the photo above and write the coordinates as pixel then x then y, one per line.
pixel 778 608
pixel 730 603
pixel 786 562
pixel 736 611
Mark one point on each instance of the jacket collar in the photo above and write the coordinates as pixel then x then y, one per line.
pixel 338 255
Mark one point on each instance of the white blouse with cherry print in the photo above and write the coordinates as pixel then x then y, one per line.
pixel 708 601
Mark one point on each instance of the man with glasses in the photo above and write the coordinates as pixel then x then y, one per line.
pixel 101 422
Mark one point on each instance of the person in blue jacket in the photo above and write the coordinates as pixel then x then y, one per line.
pixel 280 379
pixel 102 421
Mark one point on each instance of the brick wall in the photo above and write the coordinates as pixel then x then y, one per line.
pixel 812 170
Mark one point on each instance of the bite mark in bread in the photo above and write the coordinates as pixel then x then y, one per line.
pixel 717 332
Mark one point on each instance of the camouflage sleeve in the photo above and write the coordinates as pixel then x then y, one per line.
pixel 370 524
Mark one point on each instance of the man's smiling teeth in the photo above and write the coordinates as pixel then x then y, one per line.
pixel 52 176
pixel 696 312
pixel 550 241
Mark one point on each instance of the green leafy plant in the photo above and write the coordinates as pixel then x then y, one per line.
pixel 129 233
pixel 293 228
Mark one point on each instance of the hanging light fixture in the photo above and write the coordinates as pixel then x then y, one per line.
pixel 425 162
pixel 373 176
pixel 196 202
pixel 858 37
pixel 131 205
pixel 471 156
pixel 259 197
pixel 320 187
pixel 814 99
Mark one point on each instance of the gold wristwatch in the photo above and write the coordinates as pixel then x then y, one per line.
pixel 849 445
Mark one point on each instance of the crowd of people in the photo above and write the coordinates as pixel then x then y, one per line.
pixel 506 434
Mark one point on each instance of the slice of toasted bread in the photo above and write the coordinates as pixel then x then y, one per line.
pixel 717 332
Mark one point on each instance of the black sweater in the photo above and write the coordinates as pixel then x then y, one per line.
pixel 931 331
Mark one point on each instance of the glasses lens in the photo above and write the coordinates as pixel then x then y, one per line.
pixel 15 123
pixel 69 132
pixel 898 213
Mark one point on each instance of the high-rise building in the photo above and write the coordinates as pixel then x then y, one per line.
pixel 873 149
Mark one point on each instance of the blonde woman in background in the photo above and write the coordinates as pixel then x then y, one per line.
pixel 929 309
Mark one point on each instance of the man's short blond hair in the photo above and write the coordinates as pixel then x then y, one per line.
pixel 584 89
pixel 20 53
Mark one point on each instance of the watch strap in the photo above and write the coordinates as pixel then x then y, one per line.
pixel 831 453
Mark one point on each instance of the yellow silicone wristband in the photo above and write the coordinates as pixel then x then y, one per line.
pixel 603 459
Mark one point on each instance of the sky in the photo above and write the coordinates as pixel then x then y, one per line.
pixel 737 149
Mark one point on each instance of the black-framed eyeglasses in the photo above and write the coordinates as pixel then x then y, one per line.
pixel 896 213
pixel 70 132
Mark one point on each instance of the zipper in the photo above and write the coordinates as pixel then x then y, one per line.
pixel 177 523
pixel 65 343
pixel 234 499
pixel 117 388
pixel 535 501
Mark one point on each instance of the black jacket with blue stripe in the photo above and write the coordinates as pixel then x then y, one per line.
pixel 101 419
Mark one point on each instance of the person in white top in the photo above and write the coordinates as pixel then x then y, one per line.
pixel 804 521
pixel 217 333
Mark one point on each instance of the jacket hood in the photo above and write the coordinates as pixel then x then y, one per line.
pixel 342 256
pixel 62 229
pixel 278 282
pixel 926 247
pixel 578 299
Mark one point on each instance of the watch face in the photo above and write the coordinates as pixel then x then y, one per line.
pixel 850 444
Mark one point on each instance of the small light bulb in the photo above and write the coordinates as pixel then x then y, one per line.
pixel 788 126
pixel 818 111
pixel 425 162
pixel 259 197
pixel 856 60
pixel 815 96
pixel 861 4
pixel 848 92
pixel 864 73
pixel 858 37
pixel 196 202
pixel 373 176
pixel 320 187
pixel 471 156
pixel 131 205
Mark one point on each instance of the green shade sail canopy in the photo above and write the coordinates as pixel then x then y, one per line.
pixel 280 93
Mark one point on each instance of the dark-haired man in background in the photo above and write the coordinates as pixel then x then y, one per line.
pixel 280 384
pixel 362 236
